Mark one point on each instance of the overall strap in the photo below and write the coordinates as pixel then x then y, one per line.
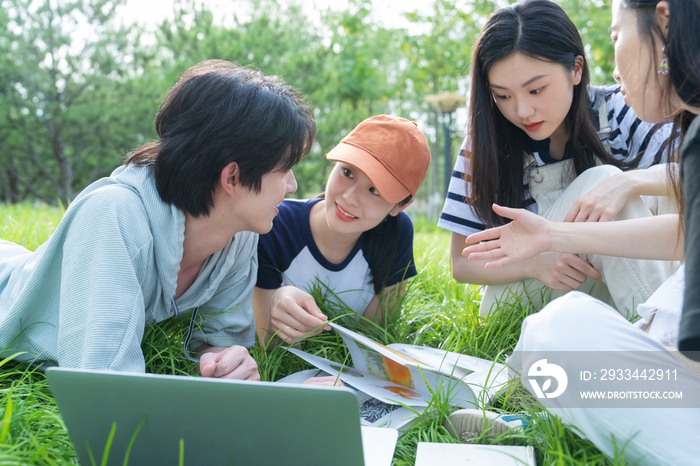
pixel 605 131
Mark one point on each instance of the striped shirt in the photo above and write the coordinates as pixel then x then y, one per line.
pixel 636 143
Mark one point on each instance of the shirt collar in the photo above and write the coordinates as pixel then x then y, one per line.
pixel 542 149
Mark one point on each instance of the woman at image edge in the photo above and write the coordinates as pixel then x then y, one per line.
pixel 356 239
pixel 532 143
pixel 657 46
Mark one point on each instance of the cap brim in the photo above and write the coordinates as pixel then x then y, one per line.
pixel 388 187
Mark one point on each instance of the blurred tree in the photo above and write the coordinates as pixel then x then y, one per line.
pixel 276 40
pixel 439 61
pixel 592 18
pixel 10 71
pixel 78 91
pixel 360 75
pixel 66 116
pixel 346 66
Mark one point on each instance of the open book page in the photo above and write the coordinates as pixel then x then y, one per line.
pixel 378 445
pixel 381 389
pixel 376 413
pixel 427 369
pixel 482 376
pixel 373 412
pixel 356 343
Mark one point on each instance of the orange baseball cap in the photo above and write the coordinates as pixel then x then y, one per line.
pixel 391 151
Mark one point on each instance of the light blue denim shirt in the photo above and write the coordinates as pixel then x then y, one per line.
pixel 84 297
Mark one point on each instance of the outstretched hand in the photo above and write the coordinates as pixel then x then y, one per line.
pixel 526 236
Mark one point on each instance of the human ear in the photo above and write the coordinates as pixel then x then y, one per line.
pixel 400 208
pixel 661 16
pixel 228 178
pixel 578 70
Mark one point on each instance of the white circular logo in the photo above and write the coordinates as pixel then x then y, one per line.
pixel 552 371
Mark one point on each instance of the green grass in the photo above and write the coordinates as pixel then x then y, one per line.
pixel 436 311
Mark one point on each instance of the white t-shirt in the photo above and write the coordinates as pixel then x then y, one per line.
pixel 288 256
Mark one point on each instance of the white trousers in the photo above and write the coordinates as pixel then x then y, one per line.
pixel 626 282
pixel 653 436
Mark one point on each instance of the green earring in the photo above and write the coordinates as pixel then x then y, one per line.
pixel 663 66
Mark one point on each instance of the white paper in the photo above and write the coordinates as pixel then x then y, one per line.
pixel 352 339
pixel 454 454
pixel 378 445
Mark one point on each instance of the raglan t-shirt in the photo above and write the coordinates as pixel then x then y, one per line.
pixel 631 140
pixel 288 256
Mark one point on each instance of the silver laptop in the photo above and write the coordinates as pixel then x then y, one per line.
pixel 156 419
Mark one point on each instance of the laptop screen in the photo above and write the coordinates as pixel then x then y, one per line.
pixel 156 419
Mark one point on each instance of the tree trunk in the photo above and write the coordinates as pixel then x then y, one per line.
pixel 12 179
pixel 435 183
pixel 65 192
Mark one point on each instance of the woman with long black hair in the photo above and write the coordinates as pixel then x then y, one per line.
pixel 657 53
pixel 537 137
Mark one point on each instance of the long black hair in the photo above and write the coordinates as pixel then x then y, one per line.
pixel 539 29
pixel 219 113
pixel 383 247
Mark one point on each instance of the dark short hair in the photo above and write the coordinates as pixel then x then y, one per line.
pixel 219 113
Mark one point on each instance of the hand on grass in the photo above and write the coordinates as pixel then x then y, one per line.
pixel 295 315
pixel 233 362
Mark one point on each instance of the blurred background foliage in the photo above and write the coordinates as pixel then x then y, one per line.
pixel 78 90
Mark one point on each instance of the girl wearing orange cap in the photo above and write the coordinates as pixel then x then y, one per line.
pixel 355 239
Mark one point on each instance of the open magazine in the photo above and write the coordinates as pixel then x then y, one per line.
pixel 394 383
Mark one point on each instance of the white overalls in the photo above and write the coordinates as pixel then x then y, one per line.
pixel 626 282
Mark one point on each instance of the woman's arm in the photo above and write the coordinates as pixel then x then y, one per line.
pixel 288 312
pixel 465 270
pixel 603 202
pixel 262 300
pixel 655 238
pixel 388 300
pixel 564 272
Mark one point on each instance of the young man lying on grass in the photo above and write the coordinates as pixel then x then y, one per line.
pixel 174 229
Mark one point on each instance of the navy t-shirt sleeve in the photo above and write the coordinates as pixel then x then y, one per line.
pixel 269 272
pixel 277 249
pixel 404 266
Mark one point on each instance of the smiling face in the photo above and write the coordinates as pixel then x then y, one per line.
pixel 641 85
pixel 532 94
pixel 256 211
pixel 352 203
